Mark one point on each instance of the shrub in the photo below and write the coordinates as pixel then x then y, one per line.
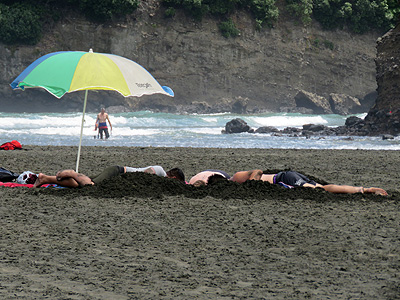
pixel 264 11
pixel 329 45
pixel 170 12
pixel 223 7
pixel 20 23
pixel 103 10
pixel 195 7
pixel 360 16
pixel 228 29
pixel 302 9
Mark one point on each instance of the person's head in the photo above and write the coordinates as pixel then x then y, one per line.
pixel 103 110
pixel 177 174
pixel 27 177
pixel 216 178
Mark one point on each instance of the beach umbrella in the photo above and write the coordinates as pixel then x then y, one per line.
pixel 69 71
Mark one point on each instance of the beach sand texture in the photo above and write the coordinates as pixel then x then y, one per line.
pixel 139 236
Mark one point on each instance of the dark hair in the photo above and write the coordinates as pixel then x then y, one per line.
pixel 177 173
pixel 215 178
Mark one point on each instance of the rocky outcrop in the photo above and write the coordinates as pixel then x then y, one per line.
pixel 354 126
pixel 384 116
pixel 344 104
pixel 266 129
pixel 341 104
pixel 368 101
pixel 236 126
pixel 313 102
pixel 206 71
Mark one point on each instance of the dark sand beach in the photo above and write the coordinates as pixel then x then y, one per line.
pixel 139 236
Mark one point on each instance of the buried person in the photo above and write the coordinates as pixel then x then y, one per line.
pixel 70 178
pixel 208 177
pixel 295 179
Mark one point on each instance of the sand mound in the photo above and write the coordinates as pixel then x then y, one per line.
pixel 151 186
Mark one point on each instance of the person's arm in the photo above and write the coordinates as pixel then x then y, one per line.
pixel 150 170
pixel 243 176
pixel 255 174
pixel 376 191
pixel 96 124
pixel 199 183
pixel 81 179
pixel 348 189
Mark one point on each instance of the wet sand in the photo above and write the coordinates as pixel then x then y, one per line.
pixel 139 236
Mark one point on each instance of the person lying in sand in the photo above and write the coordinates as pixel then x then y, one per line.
pixel 295 179
pixel 70 178
pixel 207 177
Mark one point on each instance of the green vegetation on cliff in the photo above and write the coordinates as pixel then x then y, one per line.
pixel 359 16
pixel 22 21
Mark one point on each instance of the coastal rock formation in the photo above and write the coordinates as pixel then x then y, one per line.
pixel 341 104
pixel 266 66
pixel 266 129
pixel 384 116
pixel 318 104
pixel 354 126
pixel 236 126
pixel 344 104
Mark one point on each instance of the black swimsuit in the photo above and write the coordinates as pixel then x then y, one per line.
pixel 292 178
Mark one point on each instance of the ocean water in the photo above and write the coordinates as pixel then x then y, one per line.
pixel 172 130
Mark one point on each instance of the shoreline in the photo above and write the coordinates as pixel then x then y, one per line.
pixel 147 129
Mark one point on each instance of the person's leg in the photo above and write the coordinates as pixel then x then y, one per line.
pixel 106 133
pixel 108 173
pixel 47 179
pixel 101 133
pixel 81 179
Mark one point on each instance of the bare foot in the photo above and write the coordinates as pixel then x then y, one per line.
pixel 376 191
pixel 38 181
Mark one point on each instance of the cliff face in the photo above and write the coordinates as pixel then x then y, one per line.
pixel 384 116
pixel 263 69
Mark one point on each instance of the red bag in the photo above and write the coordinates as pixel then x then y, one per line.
pixel 13 145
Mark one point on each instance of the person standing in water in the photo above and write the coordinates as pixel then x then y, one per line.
pixel 101 123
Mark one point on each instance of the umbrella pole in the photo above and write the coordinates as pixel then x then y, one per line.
pixel 80 140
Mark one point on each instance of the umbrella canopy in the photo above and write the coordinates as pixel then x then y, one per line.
pixel 69 71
